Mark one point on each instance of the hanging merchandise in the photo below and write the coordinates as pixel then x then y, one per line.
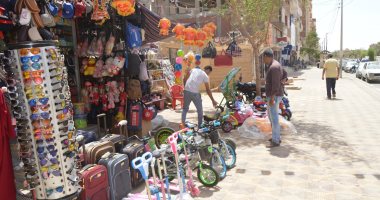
pixel 178 67
pixel 32 6
pixel 134 89
pixel 109 45
pixel 134 115
pixel 164 26
pixel 53 9
pixel 223 59
pixel 190 35
pixel 100 14
pixel 124 7
pixel 80 8
pixel 133 65
pixel 67 10
pixel 133 35
pixel 201 38
pixel 45 126
pixel 178 30
pixel 209 51
pixel 210 29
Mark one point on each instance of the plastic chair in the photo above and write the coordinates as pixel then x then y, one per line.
pixel 176 91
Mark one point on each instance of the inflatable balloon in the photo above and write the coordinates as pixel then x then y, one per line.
pixel 180 53
pixel 179 60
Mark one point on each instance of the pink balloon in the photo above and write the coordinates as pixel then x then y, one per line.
pixel 179 60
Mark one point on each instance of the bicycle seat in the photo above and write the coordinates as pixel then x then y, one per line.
pixel 207 118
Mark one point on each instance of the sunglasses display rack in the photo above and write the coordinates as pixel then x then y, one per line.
pixel 45 127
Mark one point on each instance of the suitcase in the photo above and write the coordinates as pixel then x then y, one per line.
pixel 89 136
pixel 119 176
pixel 95 150
pixel 134 149
pixel 94 181
pixel 100 132
pixel 119 141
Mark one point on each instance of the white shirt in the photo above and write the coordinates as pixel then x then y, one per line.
pixel 196 78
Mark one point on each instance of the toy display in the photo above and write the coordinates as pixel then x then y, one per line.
pixel 164 26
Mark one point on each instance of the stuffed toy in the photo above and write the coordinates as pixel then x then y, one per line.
pixel 123 94
pixel 201 38
pixel 190 35
pixel 89 69
pixel 99 69
pixel 84 65
pixel 87 94
pixel 115 91
pixel 117 65
pixel 178 30
pixel 83 50
pixel 99 47
pixel 120 114
pixel 109 45
pixel 91 49
pixel 107 67
pixel 210 29
pixel 103 97
pixel 124 7
pixel 164 26
pixel 110 95
pixel 95 95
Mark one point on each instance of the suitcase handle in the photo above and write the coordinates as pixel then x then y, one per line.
pixel 141 163
pixel 102 115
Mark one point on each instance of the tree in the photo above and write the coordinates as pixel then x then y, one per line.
pixel 376 47
pixel 371 54
pixel 311 45
pixel 251 18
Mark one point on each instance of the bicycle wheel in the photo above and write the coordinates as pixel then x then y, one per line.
pixel 217 162
pixel 162 135
pixel 230 142
pixel 227 126
pixel 207 175
pixel 228 154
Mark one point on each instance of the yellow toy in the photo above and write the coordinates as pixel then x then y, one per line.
pixel 89 69
pixel 164 26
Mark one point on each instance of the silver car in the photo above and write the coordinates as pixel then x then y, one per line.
pixel 360 69
pixel 371 72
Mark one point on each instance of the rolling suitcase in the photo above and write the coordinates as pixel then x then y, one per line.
pixel 119 176
pixel 89 136
pixel 119 141
pixel 95 150
pixel 134 149
pixel 94 181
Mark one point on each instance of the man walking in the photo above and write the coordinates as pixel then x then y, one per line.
pixel 274 91
pixel 331 70
pixel 193 81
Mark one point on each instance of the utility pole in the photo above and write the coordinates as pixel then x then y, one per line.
pixel 341 38
pixel 326 42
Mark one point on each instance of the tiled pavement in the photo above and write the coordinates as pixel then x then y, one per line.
pixel 334 155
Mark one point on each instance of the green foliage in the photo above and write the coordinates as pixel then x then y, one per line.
pixel 371 54
pixel 311 45
pixel 355 53
pixel 376 47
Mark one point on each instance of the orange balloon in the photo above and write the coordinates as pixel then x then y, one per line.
pixel 190 35
pixel 178 30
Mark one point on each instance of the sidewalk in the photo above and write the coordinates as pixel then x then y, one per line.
pixel 335 154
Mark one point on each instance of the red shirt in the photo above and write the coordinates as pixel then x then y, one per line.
pixel 7 180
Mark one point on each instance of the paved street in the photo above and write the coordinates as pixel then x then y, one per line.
pixel 334 155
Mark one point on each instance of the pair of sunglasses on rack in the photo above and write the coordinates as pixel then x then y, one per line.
pixel 42 123
pixel 52 190
pixel 26 51
pixel 26 59
pixel 33 66
pixel 51 53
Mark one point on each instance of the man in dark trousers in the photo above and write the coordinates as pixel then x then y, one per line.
pixel 274 91
pixel 331 70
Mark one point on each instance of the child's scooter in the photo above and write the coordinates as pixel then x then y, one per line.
pixel 194 191
pixel 172 140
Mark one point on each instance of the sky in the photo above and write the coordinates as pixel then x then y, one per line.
pixel 360 23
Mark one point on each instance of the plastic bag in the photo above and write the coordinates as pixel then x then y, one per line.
pixel 260 128
pixel 159 122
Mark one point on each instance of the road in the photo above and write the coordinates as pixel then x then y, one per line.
pixel 334 155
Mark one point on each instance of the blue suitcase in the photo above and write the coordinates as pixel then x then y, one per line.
pixel 119 175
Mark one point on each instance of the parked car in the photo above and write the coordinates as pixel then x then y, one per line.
pixel 360 69
pixel 371 72
pixel 350 66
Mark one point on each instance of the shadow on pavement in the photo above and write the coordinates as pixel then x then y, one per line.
pixel 208 191
pixel 281 151
pixel 324 137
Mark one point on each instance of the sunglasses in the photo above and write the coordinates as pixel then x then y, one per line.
pixel 63 123
pixel 19 109
pixel 69 154
pixel 35 66
pixel 37 108
pixel 55 71
pixel 15 102
pixel 26 59
pixel 69 135
pixel 12 82
pixel 14 88
pixel 41 149
pixel 28 161
pixel 26 51
pixel 14 95
pixel 43 123
pixel 37 116
pixel 45 161
pixel 51 53
pixel 19 115
pixel 51 190
pixel 30 89
pixel 46 133
pixel 43 101
pixel 26 147
pixel 41 141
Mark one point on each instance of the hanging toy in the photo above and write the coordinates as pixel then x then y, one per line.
pixel 201 38
pixel 180 53
pixel 198 60
pixel 210 29
pixel 164 26
pixel 124 7
pixel 190 35
pixel 178 30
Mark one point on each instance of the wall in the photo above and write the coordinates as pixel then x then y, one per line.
pixel 219 73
